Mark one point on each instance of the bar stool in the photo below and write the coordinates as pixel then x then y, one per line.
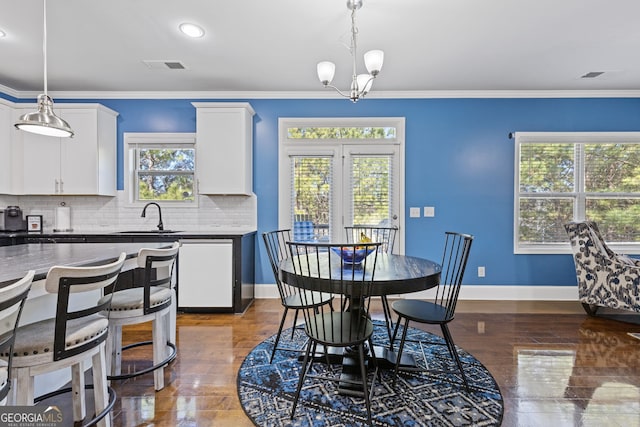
pixel 12 300
pixel 76 334
pixel 152 300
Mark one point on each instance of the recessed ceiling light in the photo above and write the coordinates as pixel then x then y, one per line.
pixel 192 30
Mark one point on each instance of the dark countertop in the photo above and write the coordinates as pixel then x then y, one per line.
pixel 16 261
pixel 200 234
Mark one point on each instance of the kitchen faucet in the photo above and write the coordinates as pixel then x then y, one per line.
pixel 144 214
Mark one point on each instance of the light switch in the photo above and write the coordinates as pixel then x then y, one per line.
pixel 429 211
pixel 414 212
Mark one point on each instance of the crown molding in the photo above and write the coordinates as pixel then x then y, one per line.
pixel 8 91
pixel 430 94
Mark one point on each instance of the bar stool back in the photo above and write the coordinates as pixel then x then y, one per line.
pixel 76 334
pixel 154 301
pixel 12 298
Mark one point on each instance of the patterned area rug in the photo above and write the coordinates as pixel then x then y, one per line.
pixel 424 398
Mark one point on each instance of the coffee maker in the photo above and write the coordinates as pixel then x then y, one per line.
pixel 13 219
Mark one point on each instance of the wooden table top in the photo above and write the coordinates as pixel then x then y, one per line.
pixel 394 274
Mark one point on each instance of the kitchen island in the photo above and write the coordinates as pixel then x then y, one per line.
pixel 218 274
pixel 16 261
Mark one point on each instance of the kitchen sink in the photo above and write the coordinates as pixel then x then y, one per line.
pixel 147 232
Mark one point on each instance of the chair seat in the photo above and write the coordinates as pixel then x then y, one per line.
pixel 333 330
pixel 296 300
pixel 421 311
pixel 130 302
pixel 35 340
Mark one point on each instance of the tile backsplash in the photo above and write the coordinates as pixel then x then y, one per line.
pixel 100 213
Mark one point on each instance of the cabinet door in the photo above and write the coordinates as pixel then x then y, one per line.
pixel 224 139
pixel 79 155
pixel 205 277
pixel 84 164
pixel 6 149
pixel 41 164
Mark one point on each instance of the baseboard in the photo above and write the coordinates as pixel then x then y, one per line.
pixel 494 293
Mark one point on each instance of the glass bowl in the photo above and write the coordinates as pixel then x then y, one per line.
pixel 351 256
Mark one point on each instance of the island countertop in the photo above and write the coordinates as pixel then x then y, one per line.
pixel 16 261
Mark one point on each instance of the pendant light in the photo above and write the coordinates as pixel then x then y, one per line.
pixel 44 121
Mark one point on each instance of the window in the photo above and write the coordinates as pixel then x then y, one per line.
pixel 339 172
pixel 161 167
pixel 562 177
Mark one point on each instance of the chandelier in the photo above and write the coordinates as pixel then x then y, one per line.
pixel 360 83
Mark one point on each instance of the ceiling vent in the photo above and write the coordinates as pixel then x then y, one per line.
pixel 592 74
pixel 164 65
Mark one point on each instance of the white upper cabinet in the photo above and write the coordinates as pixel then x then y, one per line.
pixel 224 147
pixel 82 165
pixel 6 148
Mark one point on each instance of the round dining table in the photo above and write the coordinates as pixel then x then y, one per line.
pixel 393 274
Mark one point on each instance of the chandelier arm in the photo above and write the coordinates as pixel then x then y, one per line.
pixel 338 90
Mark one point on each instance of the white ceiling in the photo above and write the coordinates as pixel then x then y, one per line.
pixel 274 45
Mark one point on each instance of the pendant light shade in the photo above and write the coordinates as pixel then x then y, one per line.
pixel 44 121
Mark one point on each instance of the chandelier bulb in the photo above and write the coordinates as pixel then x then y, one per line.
pixel 373 60
pixel 326 71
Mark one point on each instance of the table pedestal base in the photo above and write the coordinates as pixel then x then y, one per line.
pixel 350 383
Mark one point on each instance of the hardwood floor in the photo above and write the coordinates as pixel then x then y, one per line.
pixel 555 365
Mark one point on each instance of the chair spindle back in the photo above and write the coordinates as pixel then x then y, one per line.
pixel 454 261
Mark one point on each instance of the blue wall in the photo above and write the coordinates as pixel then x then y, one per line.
pixel 458 158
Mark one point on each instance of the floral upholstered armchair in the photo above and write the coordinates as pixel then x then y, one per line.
pixel 605 278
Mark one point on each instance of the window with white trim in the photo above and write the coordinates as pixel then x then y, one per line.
pixel 572 176
pixel 160 167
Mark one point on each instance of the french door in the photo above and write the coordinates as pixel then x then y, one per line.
pixel 327 185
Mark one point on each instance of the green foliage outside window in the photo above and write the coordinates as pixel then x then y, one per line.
pixel 312 188
pixel 370 184
pixel 342 133
pixel 559 182
pixel 370 178
pixel 166 174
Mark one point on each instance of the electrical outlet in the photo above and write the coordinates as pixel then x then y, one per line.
pixel 429 211
pixel 481 271
pixel 414 212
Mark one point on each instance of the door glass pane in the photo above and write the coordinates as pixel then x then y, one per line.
pixel 371 190
pixel 312 189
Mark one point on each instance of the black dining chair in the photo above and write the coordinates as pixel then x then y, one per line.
pixel 290 297
pixel 324 269
pixel 387 237
pixel 441 310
